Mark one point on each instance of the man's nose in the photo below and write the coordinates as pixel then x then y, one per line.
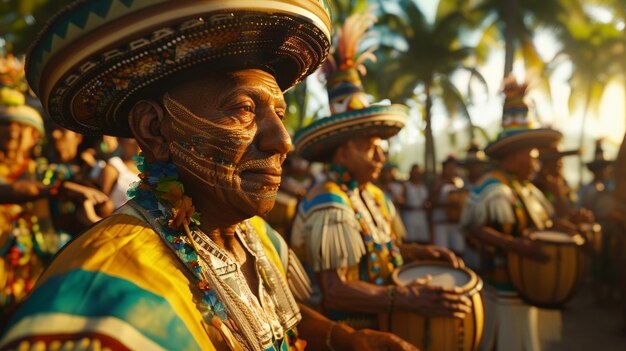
pixel 273 136
pixel 379 154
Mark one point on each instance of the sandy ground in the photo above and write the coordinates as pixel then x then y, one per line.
pixel 586 326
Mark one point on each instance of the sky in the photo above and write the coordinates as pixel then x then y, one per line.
pixel 487 110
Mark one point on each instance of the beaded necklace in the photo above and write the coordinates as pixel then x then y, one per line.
pixel 383 257
pixel 160 193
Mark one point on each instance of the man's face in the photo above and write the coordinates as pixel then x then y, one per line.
pixel 524 163
pixel 10 134
pixel 228 139
pixel 416 173
pixel 17 138
pixel 364 158
pixel 66 143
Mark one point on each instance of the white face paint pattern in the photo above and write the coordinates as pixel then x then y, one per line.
pixel 212 152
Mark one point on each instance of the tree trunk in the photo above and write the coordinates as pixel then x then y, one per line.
pixel 581 140
pixel 430 165
pixel 510 9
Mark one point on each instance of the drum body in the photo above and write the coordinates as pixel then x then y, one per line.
pixel 454 204
pixel 439 333
pixel 549 284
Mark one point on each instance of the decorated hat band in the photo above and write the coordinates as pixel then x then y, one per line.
pixel 317 141
pixel 96 56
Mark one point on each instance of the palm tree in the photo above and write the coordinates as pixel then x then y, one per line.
pixel 595 51
pixel 418 56
pixel 514 22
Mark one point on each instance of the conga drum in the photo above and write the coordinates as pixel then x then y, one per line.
pixel 454 203
pixel 439 333
pixel 549 284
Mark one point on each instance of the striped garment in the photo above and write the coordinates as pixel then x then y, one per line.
pixel 118 286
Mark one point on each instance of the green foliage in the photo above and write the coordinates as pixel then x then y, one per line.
pixel 23 19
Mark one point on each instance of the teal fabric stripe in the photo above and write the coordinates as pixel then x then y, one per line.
pixel 488 182
pixel 97 294
pixel 323 199
pixel 274 238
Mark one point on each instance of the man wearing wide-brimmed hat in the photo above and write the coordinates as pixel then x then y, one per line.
pixel 551 181
pixel 347 226
pixel 475 163
pixel 186 264
pixel 500 207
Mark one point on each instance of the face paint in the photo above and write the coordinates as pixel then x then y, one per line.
pixel 213 152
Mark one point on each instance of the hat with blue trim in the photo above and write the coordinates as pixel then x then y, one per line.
pixel 351 113
pixel 95 58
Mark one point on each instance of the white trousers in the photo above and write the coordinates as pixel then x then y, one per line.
pixel 509 323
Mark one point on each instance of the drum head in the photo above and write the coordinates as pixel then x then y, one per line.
pixel 555 237
pixel 441 276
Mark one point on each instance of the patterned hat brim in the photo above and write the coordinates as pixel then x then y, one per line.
pixel 318 141
pixel 534 138
pixel 96 57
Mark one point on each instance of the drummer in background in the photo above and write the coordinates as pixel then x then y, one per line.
pixel 476 165
pixel 552 183
pixel 597 196
pixel 347 226
pixel 390 185
pixel 413 210
pixel 446 232
pixel 500 209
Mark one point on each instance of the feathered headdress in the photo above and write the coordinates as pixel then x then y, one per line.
pixel 345 63
pixel 351 113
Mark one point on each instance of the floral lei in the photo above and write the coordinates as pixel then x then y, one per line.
pixel 161 193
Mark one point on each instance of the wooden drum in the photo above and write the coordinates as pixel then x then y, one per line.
pixel 454 203
pixel 549 284
pixel 439 333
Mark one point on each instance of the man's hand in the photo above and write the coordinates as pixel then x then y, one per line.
pixel 82 193
pixel 433 301
pixel 528 248
pixel 367 339
pixel 28 188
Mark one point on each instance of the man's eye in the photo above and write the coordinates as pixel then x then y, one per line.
pixel 247 108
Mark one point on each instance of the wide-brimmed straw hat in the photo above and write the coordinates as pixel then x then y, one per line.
pixel 13 87
pixel 553 153
pixel 351 114
pixel 519 129
pixel 96 57
pixel 599 160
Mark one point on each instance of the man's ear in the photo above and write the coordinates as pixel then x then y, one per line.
pixel 146 121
